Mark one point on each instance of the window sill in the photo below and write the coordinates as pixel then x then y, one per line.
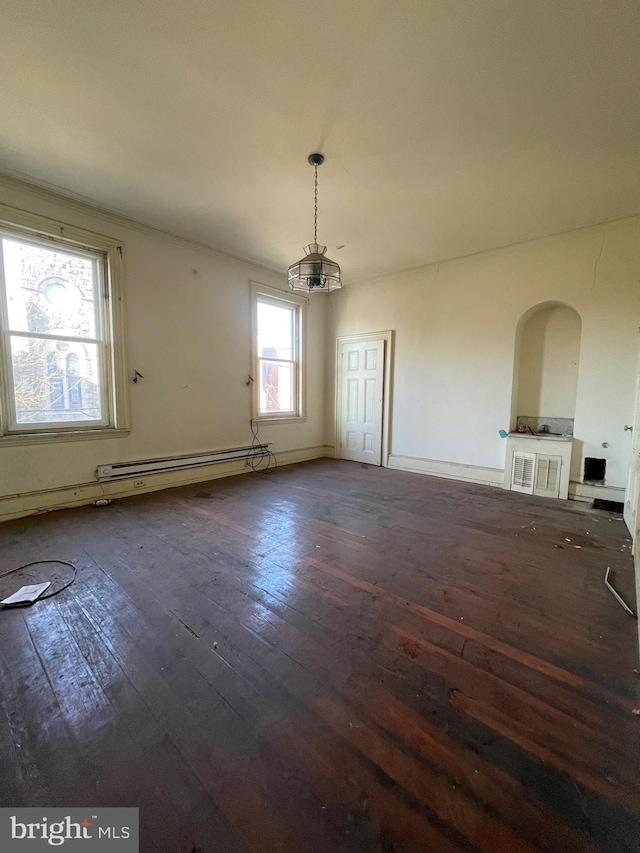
pixel 20 439
pixel 266 420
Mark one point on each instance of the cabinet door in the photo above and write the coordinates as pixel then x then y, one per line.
pixel 522 472
pixel 547 476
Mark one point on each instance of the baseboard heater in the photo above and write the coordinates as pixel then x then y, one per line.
pixel 120 470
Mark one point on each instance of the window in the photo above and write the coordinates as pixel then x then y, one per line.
pixel 61 349
pixel 278 335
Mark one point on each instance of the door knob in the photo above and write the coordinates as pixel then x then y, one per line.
pixel 628 428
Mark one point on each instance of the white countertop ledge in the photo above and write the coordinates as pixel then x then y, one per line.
pixel 540 436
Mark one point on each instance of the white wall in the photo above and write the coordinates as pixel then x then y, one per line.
pixel 189 334
pixel 455 340
pixel 549 358
pixel 187 327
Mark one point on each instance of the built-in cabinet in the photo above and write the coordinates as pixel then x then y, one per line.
pixel 538 465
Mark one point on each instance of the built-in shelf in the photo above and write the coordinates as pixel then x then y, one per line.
pixel 541 436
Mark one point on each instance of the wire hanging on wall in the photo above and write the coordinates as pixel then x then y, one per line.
pixel 258 454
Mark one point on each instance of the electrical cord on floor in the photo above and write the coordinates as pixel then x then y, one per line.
pixel 43 563
pixel 258 453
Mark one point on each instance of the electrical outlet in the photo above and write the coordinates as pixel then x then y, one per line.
pixel 138 484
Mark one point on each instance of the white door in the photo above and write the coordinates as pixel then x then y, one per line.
pixel 361 383
pixel 633 487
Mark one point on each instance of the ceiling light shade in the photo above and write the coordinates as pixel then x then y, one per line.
pixel 315 272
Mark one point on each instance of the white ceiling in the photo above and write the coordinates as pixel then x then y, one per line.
pixel 448 126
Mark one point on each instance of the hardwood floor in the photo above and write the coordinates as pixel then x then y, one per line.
pixel 330 657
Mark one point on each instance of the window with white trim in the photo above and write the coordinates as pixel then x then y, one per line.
pixel 61 348
pixel 278 339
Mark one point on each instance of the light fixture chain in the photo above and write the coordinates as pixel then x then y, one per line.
pixel 315 209
pixel 315 272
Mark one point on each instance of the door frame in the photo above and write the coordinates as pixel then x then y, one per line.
pixel 388 337
pixel 632 493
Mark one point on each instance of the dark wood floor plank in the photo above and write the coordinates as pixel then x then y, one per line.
pixel 212 759
pixel 330 658
pixel 540 664
pixel 201 712
pixel 464 769
pixel 48 753
pixel 479 604
pixel 184 805
pixel 298 642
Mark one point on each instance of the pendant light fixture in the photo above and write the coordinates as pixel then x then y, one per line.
pixel 315 272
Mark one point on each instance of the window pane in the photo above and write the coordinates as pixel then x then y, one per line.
pixel 275 331
pixel 49 291
pixel 276 387
pixel 55 381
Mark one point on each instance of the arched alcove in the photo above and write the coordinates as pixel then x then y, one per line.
pixel 547 357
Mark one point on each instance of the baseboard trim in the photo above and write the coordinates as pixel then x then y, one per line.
pixel 304 454
pixel 34 503
pixel 583 492
pixel 448 470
